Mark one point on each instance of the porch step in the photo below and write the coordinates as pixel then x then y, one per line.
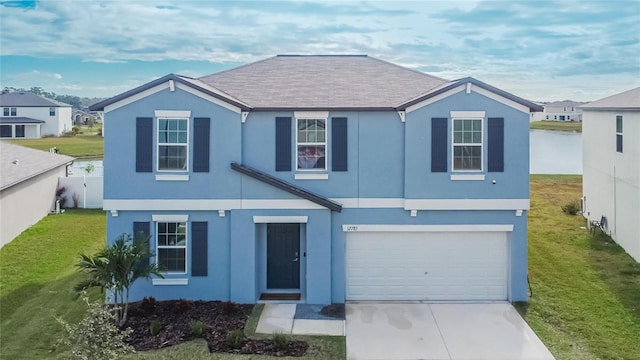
pixel 280 296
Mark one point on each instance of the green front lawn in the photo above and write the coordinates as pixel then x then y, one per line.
pixel 37 274
pixel 81 146
pixel 586 291
pixel 574 126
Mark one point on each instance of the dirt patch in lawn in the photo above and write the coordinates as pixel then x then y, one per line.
pixel 158 324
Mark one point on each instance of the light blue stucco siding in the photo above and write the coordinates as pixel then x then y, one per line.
pixel 215 286
pixel 421 183
pixel 516 240
pixel 121 180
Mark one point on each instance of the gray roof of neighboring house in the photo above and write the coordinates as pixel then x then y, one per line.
pixel 19 120
pixel 27 99
pixel 627 100
pixel 30 163
pixel 307 82
pixel 565 103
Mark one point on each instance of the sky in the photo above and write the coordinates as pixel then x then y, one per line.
pixel 538 50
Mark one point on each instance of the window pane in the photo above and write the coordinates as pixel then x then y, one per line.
pixel 619 143
pixel 477 125
pixel 5 112
pixel 172 260
pixel 162 124
pixel 619 123
pixel 172 157
pixel 467 158
pixel 182 125
pixel 466 137
pixel 13 111
pixel 311 157
pixel 5 131
pixel 457 125
pixel 457 137
pixel 477 138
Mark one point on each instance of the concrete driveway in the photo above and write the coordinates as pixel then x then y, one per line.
pixel 395 331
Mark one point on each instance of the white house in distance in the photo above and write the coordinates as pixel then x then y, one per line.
pixel 611 166
pixel 28 184
pixel 566 110
pixel 26 115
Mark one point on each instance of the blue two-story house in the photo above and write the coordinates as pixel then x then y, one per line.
pixel 322 179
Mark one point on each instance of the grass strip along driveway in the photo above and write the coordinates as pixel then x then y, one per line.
pixel 584 306
pixel 586 290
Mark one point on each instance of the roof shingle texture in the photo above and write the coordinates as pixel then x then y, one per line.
pixel 19 120
pixel 629 99
pixel 27 99
pixel 357 81
pixel 31 162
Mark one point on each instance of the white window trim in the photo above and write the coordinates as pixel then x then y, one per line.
pixel 173 218
pixel 187 144
pixel 173 114
pixel 156 281
pixel 312 176
pixel 54 111
pixel 172 177
pixel 280 219
pixel 453 144
pixel 313 115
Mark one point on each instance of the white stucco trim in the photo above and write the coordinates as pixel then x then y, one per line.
pixel 311 114
pixel 311 176
pixel 469 177
pixel 170 218
pixel 173 113
pixel 500 99
pixel 425 228
pixel 160 177
pixel 467 114
pixel 170 281
pixel 136 97
pixel 438 97
pixel 466 204
pixel 280 219
pixel 208 97
pixel 348 203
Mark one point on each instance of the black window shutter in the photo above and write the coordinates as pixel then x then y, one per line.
pixel 201 138
pixel 199 240
pixel 496 144
pixel 339 144
pixel 144 144
pixel 439 144
pixel 283 144
pixel 143 229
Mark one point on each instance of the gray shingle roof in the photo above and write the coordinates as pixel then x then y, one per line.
pixel 565 103
pixel 27 99
pixel 19 120
pixel 31 162
pixel 629 99
pixel 290 81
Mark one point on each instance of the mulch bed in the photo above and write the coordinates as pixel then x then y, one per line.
pixel 176 316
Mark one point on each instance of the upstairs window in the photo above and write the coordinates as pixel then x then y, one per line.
pixel 171 242
pixel 619 133
pixel 311 144
pixel 9 111
pixel 173 145
pixel 52 111
pixel 467 144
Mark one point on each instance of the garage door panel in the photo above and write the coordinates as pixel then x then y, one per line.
pixel 426 266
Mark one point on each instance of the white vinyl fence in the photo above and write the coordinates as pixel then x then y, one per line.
pixel 83 191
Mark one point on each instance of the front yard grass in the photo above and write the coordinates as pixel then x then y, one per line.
pixel 37 274
pixel 574 126
pixel 586 290
pixel 81 146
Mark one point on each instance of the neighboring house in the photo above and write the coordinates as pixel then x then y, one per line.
pixel 28 184
pixel 81 117
pixel 611 167
pixel 566 110
pixel 26 115
pixel 323 179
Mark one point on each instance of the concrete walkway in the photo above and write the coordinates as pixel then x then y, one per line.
pixel 393 331
pixel 282 318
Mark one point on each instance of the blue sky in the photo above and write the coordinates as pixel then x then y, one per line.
pixel 540 50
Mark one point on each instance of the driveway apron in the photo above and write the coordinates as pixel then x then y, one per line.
pixel 418 331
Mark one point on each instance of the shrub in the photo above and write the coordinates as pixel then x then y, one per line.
pixel 96 336
pixel 99 132
pixel 572 208
pixel 148 305
pixel 75 130
pixel 235 338
pixel 229 307
pixel 280 341
pixel 198 328
pixel 183 305
pixel 69 133
pixel 154 327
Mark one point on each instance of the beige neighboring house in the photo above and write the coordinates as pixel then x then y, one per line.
pixel 611 166
pixel 28 184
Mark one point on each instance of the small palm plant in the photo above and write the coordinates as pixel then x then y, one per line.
pixel 116 268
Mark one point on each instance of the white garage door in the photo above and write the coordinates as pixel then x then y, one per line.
pixel 426 266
